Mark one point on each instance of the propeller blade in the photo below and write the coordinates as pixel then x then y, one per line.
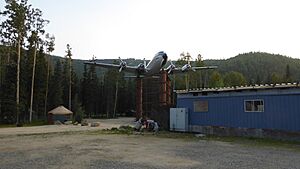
pixel 171 67
pixel 120 70
pixel 123 64
pixel 145 63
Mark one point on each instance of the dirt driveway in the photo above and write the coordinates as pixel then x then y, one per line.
pixel 92 149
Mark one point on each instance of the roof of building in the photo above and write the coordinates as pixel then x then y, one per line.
pixel 60 110
pixel 241 88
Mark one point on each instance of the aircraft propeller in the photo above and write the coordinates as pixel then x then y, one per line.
pixel 123 64
pixel 145 62
pixel 171 67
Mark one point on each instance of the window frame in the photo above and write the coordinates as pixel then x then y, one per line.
pixel 253 100
pixel 205 101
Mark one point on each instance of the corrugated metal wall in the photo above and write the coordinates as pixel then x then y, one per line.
pixel 281 111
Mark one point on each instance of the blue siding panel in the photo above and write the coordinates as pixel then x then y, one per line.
pixel 281 111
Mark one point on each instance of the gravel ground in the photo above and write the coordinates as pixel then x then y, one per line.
pixel 90 150
pixel 104 124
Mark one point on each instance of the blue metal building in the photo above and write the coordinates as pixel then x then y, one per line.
pixel 271 107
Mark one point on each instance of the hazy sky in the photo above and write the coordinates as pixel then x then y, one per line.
pixel 217 29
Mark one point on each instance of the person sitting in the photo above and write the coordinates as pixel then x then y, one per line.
pixel 138 125
pixel 155 128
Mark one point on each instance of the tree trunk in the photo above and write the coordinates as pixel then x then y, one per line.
pixel 18 80
pixel 32 82
pixel 139 98
pixel 8 55
pixel 47 85
pixel 187 81
pixel 116 98
pixel 70 85
pixel 1 82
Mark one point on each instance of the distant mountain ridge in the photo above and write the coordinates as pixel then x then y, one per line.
pixel 258 65
pixel 255 66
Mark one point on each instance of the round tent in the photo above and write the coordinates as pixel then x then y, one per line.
pixel 61 114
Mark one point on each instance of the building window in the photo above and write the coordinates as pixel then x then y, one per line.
pixel 201 106
pixel 254 106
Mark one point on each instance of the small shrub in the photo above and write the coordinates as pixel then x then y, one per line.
pixel 79 115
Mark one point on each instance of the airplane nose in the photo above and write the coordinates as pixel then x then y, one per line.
pixel 165 56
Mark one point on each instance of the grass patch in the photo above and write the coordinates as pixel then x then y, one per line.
pixel 33 123
pixel 7 125
pixel 121 130
pixel 36 123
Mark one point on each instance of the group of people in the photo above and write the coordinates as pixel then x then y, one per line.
pixel 149 125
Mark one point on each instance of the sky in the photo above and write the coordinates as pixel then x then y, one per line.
pixel 216 29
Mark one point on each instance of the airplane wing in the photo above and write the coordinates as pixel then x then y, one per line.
pixel 132 69
pixel 186 68
pixel 204 68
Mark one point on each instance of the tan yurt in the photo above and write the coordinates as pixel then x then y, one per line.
pixel 61 114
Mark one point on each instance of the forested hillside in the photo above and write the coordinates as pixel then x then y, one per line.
pixel 258 67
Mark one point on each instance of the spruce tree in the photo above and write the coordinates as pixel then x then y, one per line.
pixel 40 83
pixel 69 62
pixel 50 48
pixel 83 88
pixel 55 89
pixel 8 96
pixel 233 79
pixel 288 77
pixel 216 80
pixel 92 92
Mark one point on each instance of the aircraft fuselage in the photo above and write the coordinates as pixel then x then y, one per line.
pixel 156 64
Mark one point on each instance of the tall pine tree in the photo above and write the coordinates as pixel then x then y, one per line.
pixel 50 48
pixel 55 89
pixel 92 105
pixel 37 26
